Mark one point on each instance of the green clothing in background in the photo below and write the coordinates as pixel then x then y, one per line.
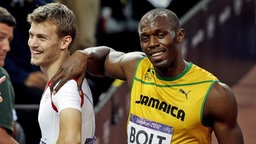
pixel 6 106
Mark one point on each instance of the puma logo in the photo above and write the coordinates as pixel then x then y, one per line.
pixel 186 94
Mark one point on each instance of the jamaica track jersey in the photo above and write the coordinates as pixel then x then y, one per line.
pixel 169 110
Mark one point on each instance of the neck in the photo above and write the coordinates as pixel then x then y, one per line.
pixel 174 70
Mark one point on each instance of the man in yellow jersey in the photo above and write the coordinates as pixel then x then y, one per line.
pixel 172 100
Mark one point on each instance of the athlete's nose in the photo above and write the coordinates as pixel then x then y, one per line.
pixel 153 42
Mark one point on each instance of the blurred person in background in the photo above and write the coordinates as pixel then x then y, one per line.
pixel 28 81
pixel 9 128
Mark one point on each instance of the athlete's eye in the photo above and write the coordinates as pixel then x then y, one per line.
pixel 161 35
pixel 42 38
pixel 144 38
pixel 2 37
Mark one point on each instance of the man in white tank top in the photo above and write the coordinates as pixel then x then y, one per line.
pixel 67 116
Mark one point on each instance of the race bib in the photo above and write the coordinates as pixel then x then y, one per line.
pixel 143 131
pixel 90 140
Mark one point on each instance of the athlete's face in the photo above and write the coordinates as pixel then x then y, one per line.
pixel 6 35
pixel 44 43
pixel 158 40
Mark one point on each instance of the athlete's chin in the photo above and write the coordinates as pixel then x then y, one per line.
pixel 35 62
pixel 160 64
pixel 1 63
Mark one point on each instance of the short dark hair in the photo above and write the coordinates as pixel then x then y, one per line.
pixel 170 15
pixel 7 18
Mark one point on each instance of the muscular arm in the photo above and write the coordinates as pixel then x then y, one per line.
pixel 221 113
pixel 106 61
pixel 98 61
pixel 122 66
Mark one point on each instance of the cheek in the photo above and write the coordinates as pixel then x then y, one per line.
pixel 166 41
pixel 172 53
pixel 49 57
pixel 52 53
pixel 143 46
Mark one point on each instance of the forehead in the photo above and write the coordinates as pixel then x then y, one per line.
pixel 47 28
pixel 7 30
pixel 151 22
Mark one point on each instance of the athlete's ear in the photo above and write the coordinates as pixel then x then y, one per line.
pixel 180 35
pixel 66 40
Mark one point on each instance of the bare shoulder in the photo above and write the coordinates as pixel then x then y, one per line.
pixel 129 63
pixel 220 113
pixel 121 57
pixel 132 56
pixel 221 104
pixel 122 65
pixel 220 91
pixel 130 60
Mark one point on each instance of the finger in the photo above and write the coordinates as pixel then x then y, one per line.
pixel 80 80
pixel 2 79
pixel 1 99
pixel 55 79
pixel 60 84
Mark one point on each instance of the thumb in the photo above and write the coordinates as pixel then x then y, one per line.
pixel 2 79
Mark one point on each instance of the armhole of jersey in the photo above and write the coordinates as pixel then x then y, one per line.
pixel 205 123
pixel 81 93
pixel 53 105
pixel 136 68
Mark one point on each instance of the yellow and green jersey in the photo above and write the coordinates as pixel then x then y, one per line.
pixel 166 110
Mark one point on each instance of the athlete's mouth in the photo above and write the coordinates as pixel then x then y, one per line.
pixel 36 52
pixel 157 54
